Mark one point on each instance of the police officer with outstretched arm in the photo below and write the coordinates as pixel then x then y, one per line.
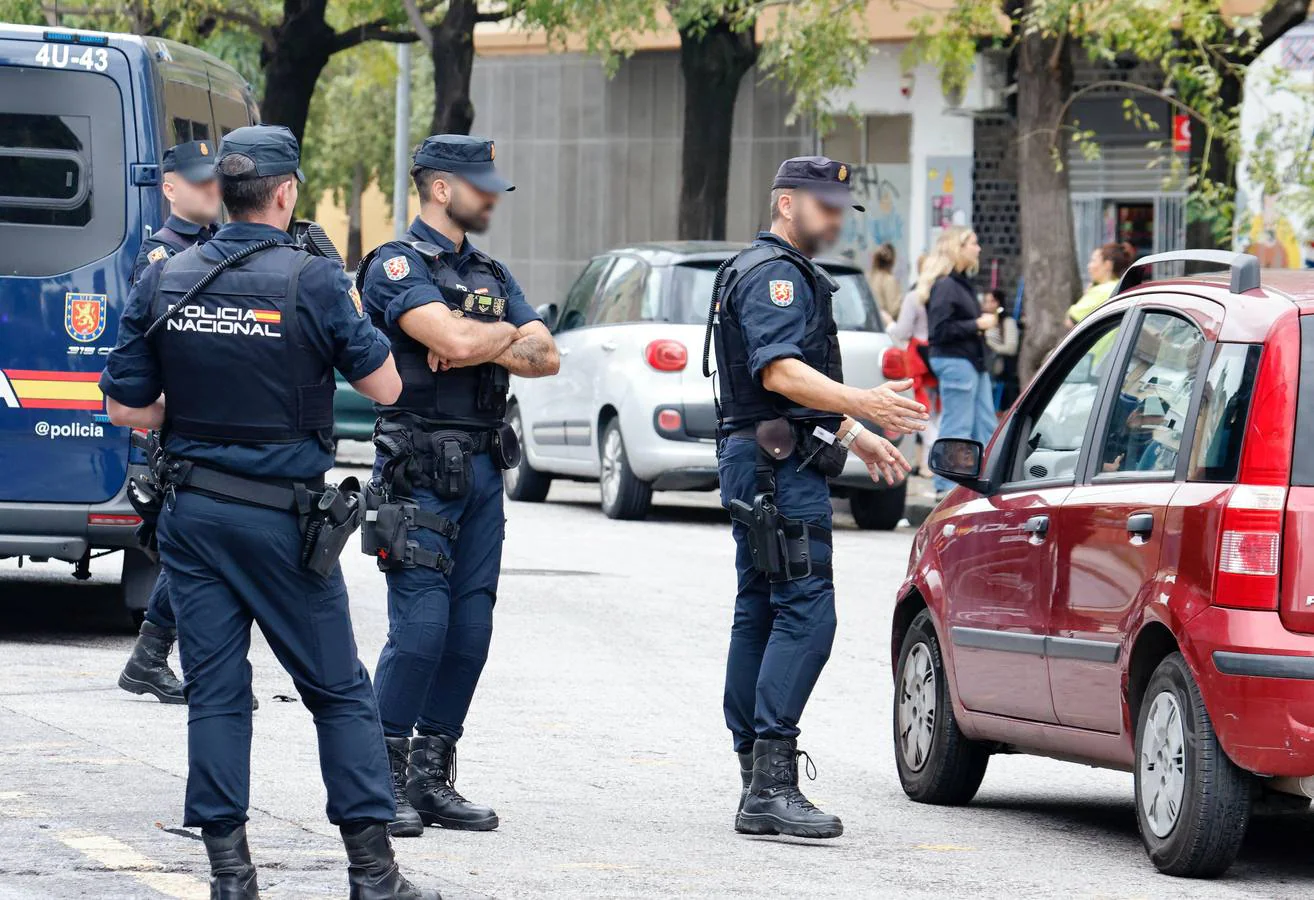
pixel 460 326
pixel 242 336
pixel 192 189
pixel 787 422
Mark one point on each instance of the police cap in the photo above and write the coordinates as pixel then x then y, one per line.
pixel 193 161
pixel 463 155
pixel 824 178
pixel 273 149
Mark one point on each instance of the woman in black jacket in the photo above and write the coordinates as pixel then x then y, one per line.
pixel 955 326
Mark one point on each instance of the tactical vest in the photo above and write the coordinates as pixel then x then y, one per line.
pixel 173 240
pixel 472 396
pixel 235 366
pixel 742 399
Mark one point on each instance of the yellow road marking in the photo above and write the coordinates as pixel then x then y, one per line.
pixel 114 854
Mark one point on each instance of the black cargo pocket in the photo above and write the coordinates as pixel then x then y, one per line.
pixel 336 662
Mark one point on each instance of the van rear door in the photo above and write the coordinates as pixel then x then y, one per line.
pixel 65 123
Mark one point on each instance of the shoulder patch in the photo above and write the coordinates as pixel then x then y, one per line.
pixel 782 292
pixel 157 254
pixel 355 300
pixel 396 268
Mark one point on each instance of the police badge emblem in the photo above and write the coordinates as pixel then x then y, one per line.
pixel 782 292
pixel 157 254
pixel 84 316
pixel 396 268
pixel 843 173
pixel 355 300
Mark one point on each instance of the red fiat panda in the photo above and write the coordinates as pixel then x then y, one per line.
pixel 1125 577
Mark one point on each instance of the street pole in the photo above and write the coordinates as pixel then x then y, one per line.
pixel 400 141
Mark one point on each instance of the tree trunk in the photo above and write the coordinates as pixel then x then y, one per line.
pixel 453 59
pixel 354 251
pixel 303 44
pixel 1049 256
pixel 714 63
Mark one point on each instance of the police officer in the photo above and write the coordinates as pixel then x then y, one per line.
pixel 459 324
pixel 786 418
pixel 246 365
pixel 192 190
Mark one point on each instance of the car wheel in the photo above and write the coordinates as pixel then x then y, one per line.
pixel 937 763
pixel 1192 802
pixel 624 494
pixel 878 510
pixel 524 482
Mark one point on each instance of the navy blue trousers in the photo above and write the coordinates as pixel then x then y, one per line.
pixel 440 626
pixel 782 633
pixel 229 565
pixel 159 611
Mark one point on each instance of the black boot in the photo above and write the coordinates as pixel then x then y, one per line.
pixel 774 804
pixel 407 822
pixel 232 877
pixel 371 870
pixel 429 787
pixel 147 671
pixel 745 773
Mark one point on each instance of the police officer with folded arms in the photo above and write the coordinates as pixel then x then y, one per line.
pixel 192 190
pixel 242 336
pixel 459 325
pixel 787 422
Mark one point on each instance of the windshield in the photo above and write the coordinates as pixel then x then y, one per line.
pixel 691 292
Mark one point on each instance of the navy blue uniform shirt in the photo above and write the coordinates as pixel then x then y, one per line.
pixel 386 299
pixel 774 303
pixel 330 324
pixel 153 249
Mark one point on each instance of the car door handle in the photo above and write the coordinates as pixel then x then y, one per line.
pixel 1140 524
pixel 609 345
pixel 1037 527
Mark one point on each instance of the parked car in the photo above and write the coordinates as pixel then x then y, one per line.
pixel 1123 578
pixel 631 408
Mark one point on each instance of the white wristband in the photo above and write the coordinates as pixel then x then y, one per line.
pixel 851 435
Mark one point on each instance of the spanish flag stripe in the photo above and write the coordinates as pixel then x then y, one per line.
pixel 55 390
pixel 268 315
pixel 93 405
pixel 34 375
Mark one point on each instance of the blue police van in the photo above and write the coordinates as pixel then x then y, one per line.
pixel 84 120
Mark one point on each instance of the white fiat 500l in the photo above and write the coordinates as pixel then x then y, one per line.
pixel 631 408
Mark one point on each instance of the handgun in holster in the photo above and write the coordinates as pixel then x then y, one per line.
pixel 330 517
pixel 779 545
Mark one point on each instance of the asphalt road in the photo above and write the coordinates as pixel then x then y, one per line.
pixel 597 735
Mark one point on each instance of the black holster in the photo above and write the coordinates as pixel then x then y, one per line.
pixel 146 494
pixel 435 459
pixel 386 534
pixel 781 546
pixel 327 521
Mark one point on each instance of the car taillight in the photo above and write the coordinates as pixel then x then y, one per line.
pixel 105 519
pixel 1266 453
pixel 1251 547
pixel 893 364
pixel 666 355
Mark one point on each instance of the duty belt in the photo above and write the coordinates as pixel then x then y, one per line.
pixel 280 494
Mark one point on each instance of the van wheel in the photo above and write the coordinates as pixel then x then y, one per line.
pixel 878 510
pixel 1192 802
pixel 524 482
pixel 937 764
pixel 624 494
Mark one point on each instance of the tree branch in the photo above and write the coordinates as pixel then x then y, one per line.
pixel 378 30
pixel 416 18
pixel 258 26
pixel 492 16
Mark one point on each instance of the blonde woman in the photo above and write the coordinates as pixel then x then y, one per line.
pixel 955 325
pixel 883 283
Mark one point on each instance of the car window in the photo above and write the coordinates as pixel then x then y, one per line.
pixel 62 189
pixel 854 305
pixel 622 294
pixel 580 296
pixel 1148 417
pixel 1055 426
pixel 1220 426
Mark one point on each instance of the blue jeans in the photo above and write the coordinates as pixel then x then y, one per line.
pixel 967 402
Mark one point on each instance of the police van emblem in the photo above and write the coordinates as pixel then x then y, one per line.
pixel 355 300
pixel 157 254
pixel 782 292
pixel 396 268
pixel 84 316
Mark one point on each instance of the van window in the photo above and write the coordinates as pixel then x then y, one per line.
pixel 1220 425
pixel 187 107
pixel 62 192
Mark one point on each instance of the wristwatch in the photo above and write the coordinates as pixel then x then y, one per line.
pixel 852 434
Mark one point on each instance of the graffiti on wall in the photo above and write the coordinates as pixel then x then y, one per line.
pixel 885 191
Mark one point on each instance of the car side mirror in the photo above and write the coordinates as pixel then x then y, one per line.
pixel 960 461
pixel 548 313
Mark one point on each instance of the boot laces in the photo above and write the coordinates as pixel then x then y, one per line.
pixel 441 780
pixel 795 796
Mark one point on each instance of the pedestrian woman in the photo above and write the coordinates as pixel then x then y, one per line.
pixel 909 330
pixel 883 283
pixel 1105 267
pixel 955 325
pixel 1002 341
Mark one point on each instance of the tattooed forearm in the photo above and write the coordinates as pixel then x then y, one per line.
pixel 532 355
